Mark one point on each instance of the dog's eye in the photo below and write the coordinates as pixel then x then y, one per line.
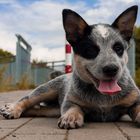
pixel 89 50
pixel 118 48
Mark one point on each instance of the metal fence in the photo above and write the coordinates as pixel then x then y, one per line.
pixel 20 65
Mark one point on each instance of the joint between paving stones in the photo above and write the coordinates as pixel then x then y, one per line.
pixel 10 133
pixel 122 132
pixel 66 135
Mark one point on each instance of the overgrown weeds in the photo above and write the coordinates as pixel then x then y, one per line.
pixel 6 82
pixel 25 83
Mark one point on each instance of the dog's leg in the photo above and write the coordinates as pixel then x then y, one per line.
pixel 14 110
pixel 134 110
pixel 72 116
pixel 42 112
pixel 45 92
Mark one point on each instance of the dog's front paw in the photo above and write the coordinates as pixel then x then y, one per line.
pixel 11 111
pixel 71 121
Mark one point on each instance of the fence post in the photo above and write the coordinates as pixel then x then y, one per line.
pixel 18 61
pixel 68 67
pixel 23 65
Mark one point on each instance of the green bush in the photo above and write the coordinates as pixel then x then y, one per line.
pixel 137 77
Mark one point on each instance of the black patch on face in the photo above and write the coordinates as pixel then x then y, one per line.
pixel 86 48
pixel 118 48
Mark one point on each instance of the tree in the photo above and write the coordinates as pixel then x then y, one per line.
pixel 5 53
pixel 38 63
pixel 6 56
pixel 137 40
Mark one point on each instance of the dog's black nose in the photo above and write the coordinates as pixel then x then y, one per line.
pixel 110 70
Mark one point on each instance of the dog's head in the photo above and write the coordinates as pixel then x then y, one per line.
pixel 100 50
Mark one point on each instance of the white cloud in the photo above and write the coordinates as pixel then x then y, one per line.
pixel 49 54
pixel 106 11
pixel 7 40
pixel 40 23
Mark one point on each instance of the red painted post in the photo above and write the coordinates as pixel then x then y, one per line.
pixel 68 66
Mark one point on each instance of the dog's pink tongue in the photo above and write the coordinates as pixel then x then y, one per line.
pixel 109 87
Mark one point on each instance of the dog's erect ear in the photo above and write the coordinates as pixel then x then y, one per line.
pixel 74 25
pixel 125 22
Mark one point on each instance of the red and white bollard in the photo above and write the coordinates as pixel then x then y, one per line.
pixel 68 67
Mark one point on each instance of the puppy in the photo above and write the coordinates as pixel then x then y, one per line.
pixel 100 88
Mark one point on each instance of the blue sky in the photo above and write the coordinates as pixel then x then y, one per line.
pixel 88 2
pixel 40 22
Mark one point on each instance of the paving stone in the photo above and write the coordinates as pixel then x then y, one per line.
pixel 5 132
pixel 129 128
pixel 1 118
pixel 2 103
pixel 35 137
pixel 14 123
pixel 46 128
pixel 43 121
pixel 96 131
pixel 135 138
pixel 8 97
pixel 41 126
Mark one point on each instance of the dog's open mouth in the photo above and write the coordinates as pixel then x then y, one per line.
pixel 108 87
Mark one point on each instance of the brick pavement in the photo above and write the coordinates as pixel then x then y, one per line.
pixel 46 128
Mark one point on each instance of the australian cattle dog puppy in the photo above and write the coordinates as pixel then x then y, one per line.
pixel 100 88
